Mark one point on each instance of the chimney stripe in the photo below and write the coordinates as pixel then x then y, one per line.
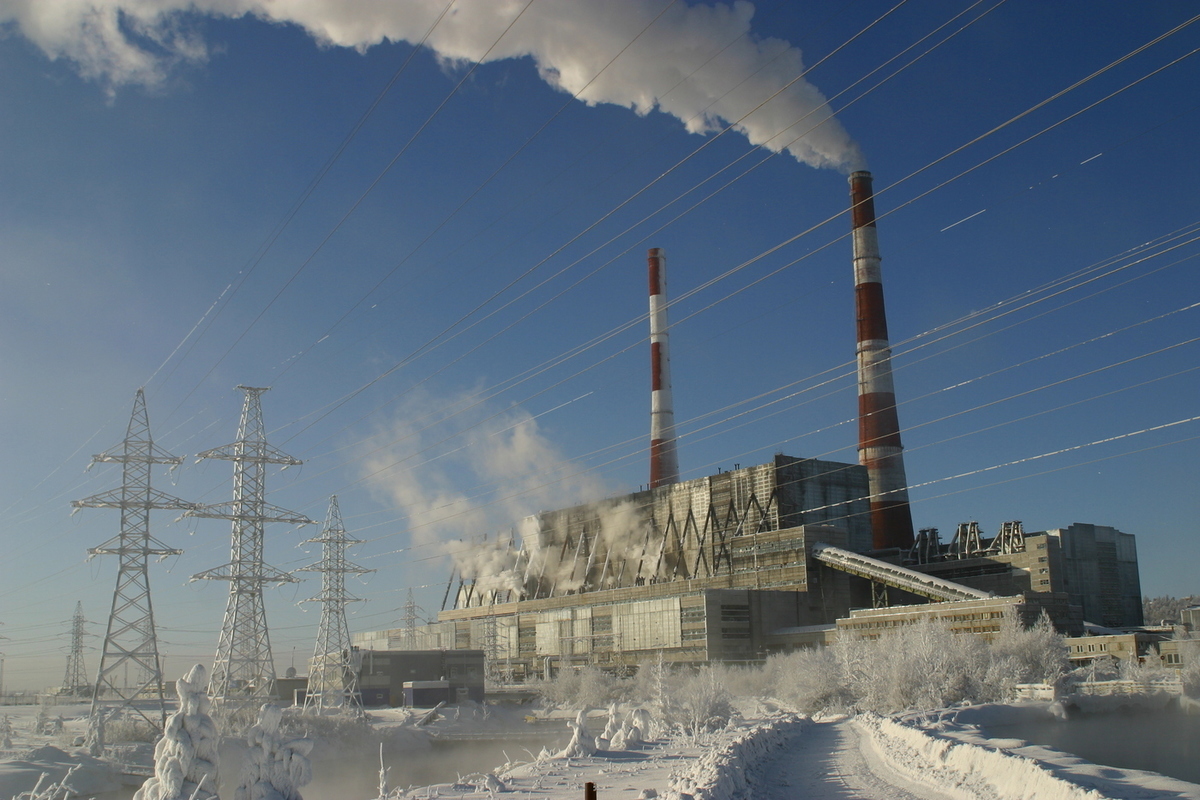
pixel 879 446
pixel 664 462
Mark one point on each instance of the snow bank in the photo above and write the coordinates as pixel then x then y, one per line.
pixel 721 773
pixel 88 776
pixel 968 726
pixel 962 769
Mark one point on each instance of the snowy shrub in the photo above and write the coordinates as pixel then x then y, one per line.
pixel 129 729
pixel 699 703
pixel 808 680
pixel 582 743
pixel 185 758
pixel 924 665
pixel 1190 674
pixel 1026 655
pixel 275 769
pixel 586 687
pixel 742 681
pixel 650 687
pixel 58 790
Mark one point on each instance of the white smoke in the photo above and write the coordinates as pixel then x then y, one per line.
pixel 463 496
pixel 123 42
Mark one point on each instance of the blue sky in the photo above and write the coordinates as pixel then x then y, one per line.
pixel 1040 278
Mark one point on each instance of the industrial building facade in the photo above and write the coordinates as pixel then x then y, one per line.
pixel 1095 566
pixel 777 590
pixel 692 530
pixel 739 564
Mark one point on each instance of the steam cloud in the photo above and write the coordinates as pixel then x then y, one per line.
pixel 139 42
pixel 459 499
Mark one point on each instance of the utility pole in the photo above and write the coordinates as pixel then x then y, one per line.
pixel 75 681
pixel 130 637
pixel 243 674
pixel 332 677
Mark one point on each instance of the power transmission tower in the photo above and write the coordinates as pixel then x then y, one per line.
pixel 333 678
pixel 243 674
pixel 130 638
pixel 411 615
pixel 75 681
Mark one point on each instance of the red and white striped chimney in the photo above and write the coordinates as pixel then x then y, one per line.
pixel 879 448
pixel 664 463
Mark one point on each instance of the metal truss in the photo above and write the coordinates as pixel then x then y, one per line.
pixel 243 674
pixel 130 642
pixel 332 677
pixel 75 682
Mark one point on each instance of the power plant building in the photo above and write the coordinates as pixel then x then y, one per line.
pixel 734 566
pixel 695 571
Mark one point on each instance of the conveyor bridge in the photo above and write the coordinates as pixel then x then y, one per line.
pixel 893 575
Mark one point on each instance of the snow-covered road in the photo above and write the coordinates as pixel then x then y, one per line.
pixel 834 760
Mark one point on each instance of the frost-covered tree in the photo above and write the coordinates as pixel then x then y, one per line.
pixel 809 680
pixel 1036 654
pixel 6 731
pixel 582 743
pixel 924 666
pixel 700 704
pixel 584 687
pixel 1190 674
pixel 185 758
pixel 275 769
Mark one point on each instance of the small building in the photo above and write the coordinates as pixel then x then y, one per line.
pixel 982 617
pixel 427 694
pixel 1178 654
pixel 385 673
pixel 1139 646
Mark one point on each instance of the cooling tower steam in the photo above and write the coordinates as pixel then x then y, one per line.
pixel 669 67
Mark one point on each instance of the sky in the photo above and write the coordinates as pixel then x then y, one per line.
pixel 424 227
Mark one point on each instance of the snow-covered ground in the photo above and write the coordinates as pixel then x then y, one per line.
pixel 779 756
pixel 763 752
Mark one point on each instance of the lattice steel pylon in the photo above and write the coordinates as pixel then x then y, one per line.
pixel 130 638
pixel 75 682
pixel 243 674
pixel 332 677
pixel 411 615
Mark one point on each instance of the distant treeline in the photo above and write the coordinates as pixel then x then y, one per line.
pixel 1156 609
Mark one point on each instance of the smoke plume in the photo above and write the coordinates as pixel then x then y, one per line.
pixel 466 495
pixel 670 67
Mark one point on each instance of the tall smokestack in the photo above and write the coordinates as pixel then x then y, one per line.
pixel 664 463
pixel 879 448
